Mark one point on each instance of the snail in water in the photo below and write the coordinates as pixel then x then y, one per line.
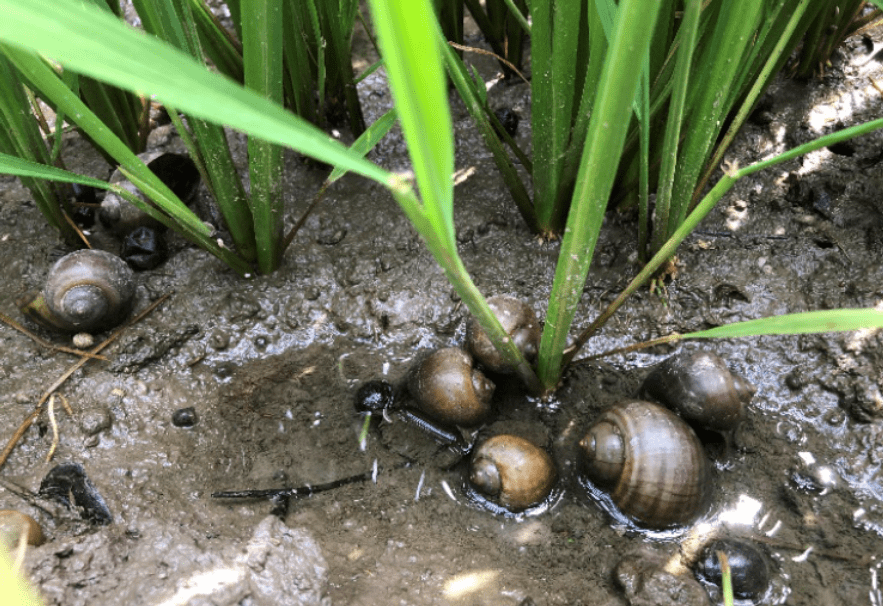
pixel 512 472
pixel 749 567
pixel 649 462
pixel 86 290
pixel 518 320
pixel 447 387
pixel 700 388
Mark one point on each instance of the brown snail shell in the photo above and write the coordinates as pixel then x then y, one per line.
pixel 85 291
pixel 650 462
pixel 518 320
pixel 448 389
pixel 15 523
pixel 512 472
pixel 700 388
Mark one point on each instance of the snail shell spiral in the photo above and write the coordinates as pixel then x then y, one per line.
pixel 650 462
pixel 89 290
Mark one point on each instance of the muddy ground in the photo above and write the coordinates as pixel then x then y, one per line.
pixel 271 365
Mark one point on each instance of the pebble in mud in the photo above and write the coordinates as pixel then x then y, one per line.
pixel 185 417
pixel 645 583
pixel 96 419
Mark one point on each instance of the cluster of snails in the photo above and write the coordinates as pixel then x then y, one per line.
pixel 641 459
pixel 646 459
pixel 92 290
pixel 450 391
pixel 143 244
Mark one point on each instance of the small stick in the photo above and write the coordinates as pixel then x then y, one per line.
pixel 301 491
pixel 29 420
pixel 54 426
pixel 77 352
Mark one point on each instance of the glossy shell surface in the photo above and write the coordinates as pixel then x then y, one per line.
pixel 448 389
pixel 89 290
pixel 650 462
pixel 518 320
pixel 700 388
pixel 512 472
pixel 749 567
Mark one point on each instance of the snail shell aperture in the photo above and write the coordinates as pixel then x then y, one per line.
pixel 650 462
pixel 85 291
pixel 512 472
pixel 518 320
pixel 448 388
pixel 700 388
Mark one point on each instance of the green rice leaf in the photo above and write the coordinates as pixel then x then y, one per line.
pixel 834 320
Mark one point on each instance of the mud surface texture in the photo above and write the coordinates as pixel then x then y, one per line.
pixel 270 365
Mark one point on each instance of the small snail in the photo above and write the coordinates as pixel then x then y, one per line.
pixel 144 248
pixel 700 388
pixel 518 320
pixel 749 570
pixel 512 472
pixel 86 290
pixel 649 462
pixel 178 172
pixel 448 389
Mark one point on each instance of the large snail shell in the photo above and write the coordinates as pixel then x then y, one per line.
pixel 88 290
pixel 700 388
pixel 448 388
pixel 518 320
pixel 512 472
pixel 650 462
pixel 178 172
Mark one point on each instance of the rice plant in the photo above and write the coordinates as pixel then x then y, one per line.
pixel 595 117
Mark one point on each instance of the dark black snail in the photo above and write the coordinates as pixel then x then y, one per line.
pixel 144 248
pixel 512 472
pixel 649 462
pixel 749 567
pixel 521 324
pixel 87 290
pixel 446 386
pixel 700 388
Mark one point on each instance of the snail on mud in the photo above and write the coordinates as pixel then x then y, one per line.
pixel 700 388
pixel 749 570
pixel 649 462
pixel 86 290
pixel 512 472
pixel 178 172
pixel 449 389
pixel 518 320
pixel 144 248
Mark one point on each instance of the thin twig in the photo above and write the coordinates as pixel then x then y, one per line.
pixel 54 426
pixel 77 352
pixel 29 420
pixel 481 51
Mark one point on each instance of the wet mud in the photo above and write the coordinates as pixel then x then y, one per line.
pixel 270 365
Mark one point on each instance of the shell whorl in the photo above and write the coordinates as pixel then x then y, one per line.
pixel 665 477
pixel 89 289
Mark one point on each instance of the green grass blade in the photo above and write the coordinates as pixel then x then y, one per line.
pixel 674 123
pixel 607 130
pixel 406 32
pixel 90 42
pixel 13 165
pixel 262 54
pixel 831 320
